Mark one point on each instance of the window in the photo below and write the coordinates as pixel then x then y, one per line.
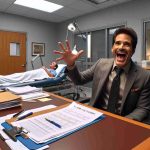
pixel 80 41
pixel 14 49
pixel 146 54
pixel 96 44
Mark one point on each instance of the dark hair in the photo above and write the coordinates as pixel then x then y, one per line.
pixel 56 66
pixel 128 31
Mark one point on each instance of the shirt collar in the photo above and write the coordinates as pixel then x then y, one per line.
pixel 125 68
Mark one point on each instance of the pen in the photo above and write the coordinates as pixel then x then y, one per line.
pixel 22 117
pixel 17 114
pixel 53 122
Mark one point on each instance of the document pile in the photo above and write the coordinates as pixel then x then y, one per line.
pixel 23 89
pixel 58 123
pixel 8 100
pixel 19 145
pixel 28 92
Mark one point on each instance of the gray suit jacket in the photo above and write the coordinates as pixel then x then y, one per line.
pixel 136 96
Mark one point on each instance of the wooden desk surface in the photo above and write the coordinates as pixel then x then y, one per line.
pixel 112 133
pixel 147 68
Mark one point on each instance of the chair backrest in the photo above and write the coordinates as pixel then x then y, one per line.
pixel 60 69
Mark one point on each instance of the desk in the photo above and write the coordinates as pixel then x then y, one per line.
pixel 112 133
pixel 147 68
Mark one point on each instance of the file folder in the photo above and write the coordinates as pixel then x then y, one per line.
pixel 9 100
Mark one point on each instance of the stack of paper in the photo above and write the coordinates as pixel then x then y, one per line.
pixel 28 92
pixel 34 95
pixel 8 100
pixel 58 123
pixel 23 89
pixel 18 145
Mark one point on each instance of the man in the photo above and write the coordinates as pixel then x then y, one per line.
pixel 28 76
pixel 52 71
pixel 133 98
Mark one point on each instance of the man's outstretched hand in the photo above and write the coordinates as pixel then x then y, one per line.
pixel 66 54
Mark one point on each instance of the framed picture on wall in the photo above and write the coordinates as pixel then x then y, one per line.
pixel 38 48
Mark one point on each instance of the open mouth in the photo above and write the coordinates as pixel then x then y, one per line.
pixel 121 56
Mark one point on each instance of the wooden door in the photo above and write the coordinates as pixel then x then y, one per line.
pixel 12 52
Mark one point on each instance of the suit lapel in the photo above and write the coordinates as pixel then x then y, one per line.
pixel 105 68
pixel 130 80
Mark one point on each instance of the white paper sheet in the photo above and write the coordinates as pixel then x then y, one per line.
pixel 15 145
pixel 18 145
pixel 34 95
pixel 23 89
pixel 69 118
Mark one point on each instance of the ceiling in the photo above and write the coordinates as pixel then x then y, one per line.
pixel 71 9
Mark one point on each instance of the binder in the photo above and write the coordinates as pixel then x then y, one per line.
pixel 8 100
pixel 30 144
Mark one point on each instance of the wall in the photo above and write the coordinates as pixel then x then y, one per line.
pixel 37 31
pixel 132 14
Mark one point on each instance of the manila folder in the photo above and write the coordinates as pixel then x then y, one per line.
pixel 8 96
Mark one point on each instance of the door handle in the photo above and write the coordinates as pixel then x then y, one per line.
pixel 23 65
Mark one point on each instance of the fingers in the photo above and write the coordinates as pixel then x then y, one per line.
pixel 61 45
pixel 60 58
pixel 58 52
pixel 80 53
pixel 67 44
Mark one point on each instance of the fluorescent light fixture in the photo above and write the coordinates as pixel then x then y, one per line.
pixel 42 5
pixel 89 46
pixel 98 1
pixel 101 1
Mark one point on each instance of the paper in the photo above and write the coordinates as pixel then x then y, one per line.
pixel 23 89
pixel 34 95
pixel 15 145
pixel 18 145
pixel 69 118
pixel 44 99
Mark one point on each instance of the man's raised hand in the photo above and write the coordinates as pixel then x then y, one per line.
pixel 66 54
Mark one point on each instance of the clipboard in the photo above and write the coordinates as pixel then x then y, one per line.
pixel 9 121
pixel 31 144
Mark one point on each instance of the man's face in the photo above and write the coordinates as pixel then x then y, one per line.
pixel 122 49
pixel 52 65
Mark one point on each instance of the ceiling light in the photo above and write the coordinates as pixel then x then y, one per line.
pixel 97 1
pixel 42 5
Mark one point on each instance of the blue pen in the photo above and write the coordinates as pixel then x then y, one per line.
pixel 22 117
pixel 54 123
